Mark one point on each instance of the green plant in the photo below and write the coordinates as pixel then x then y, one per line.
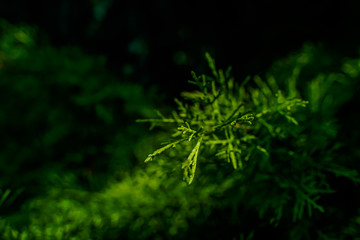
pixel 226 120
pixel 284 153
pixel 257 160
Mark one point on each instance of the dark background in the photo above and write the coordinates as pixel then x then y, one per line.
pixel 159 42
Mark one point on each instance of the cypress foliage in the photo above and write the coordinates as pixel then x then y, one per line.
pixel 271 155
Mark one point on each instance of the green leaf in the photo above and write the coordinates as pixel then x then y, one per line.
pixel 211 63
pixel 161 150
pixel 189 165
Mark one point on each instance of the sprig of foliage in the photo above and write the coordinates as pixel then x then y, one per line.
pixel 225 118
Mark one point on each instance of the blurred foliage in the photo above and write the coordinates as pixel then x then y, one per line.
pixel 62 115
pixel 147 204
pixel 70 142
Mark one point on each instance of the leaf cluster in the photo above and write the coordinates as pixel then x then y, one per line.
pixel 285 152
pixel 225 119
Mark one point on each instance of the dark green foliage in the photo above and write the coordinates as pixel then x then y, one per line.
pixel 284 167
pixel 61 115
pixel 262 162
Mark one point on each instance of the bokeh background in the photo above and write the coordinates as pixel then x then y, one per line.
pixel 75 75
pixel 159 41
